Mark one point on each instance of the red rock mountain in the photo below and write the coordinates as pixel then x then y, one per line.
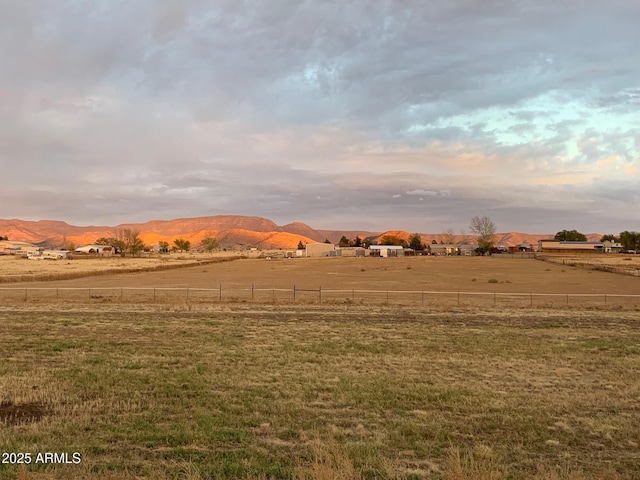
pixel 231 230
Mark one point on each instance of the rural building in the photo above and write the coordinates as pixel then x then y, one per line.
pixel 352 251
pixel 557 246
pixel 453 249
pixel 102 250
pixel 320 250
pixel 611 247
pixel 9 247
pixel 387 250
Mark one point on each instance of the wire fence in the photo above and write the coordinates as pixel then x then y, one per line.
pixel 292 295
pixel 631 270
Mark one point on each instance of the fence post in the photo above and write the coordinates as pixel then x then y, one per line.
pixel 531 299
pixel 494 298
pixel 120 294
pixel 353 296
pixel 220 292
pixel 187 294
pixel 458 298
pixel 605 299
pixel 25 294
pixel 294 293
pixel 154 295
pixel 57 294
pixel 89 295
pixel 567 299
pixel 423 298
pixel 320 294
pixel 252 292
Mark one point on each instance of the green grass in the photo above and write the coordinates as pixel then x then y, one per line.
pixel 254 392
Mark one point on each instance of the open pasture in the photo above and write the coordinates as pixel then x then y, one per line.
pixel 20 269
pixel 321 392
pixel 418 281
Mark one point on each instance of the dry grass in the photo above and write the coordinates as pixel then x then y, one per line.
pixel 426 273
pixel 322 392
pixel 20 269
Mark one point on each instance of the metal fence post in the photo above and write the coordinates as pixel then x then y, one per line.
pixel 220 297
pixel 252 292
pixel 320 294
pixel 294 293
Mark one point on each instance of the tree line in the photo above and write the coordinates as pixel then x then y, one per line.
pixel 128 242
pixel 628 240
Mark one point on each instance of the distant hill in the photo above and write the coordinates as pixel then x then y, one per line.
pixel 232 231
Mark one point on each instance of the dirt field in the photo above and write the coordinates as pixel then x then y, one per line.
pixel 475 274
pixel 19 269
pixel 325 392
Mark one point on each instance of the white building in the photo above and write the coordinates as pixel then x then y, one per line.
pixel 388 250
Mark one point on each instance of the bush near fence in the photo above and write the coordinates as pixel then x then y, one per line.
pixel 291 295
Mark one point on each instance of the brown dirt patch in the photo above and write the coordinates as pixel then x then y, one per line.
pixel 15 414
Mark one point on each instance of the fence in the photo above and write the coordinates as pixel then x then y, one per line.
pixel 239 294
pixel 572 262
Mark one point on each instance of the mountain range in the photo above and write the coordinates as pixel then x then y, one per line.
pixel 232 231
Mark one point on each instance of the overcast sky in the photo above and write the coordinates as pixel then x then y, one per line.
pixel 406 114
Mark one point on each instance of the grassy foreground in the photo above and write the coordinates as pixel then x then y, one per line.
pixel 321 393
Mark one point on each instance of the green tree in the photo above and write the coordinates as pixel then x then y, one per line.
pixel 300 245
pixel 344 242
pixel 326 240
pixel 163 247
pixel 209 244
pixel 393 240
pixel 366 243
pixel 415 242
pixel 182 244
pixel 486 229
pixel 570 236
pixel 131 241
pixel 610 238
pixel 434 242
pixel 357 242
pixel 630 240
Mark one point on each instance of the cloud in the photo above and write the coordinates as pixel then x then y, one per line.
pixel 153 110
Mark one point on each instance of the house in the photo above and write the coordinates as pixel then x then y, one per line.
pixel 557 246
pixel 452 249
pixel 387 250
pixel 612 247
pixel 320 250
pixel 93 249
pixel 10 247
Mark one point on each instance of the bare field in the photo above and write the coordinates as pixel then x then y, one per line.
pixel 19 269
pixel 444 274
pixel 628 264
pixel 321 392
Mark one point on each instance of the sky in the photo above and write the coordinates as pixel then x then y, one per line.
pixel 375 115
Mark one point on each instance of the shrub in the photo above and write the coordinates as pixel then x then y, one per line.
pixel 492 280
